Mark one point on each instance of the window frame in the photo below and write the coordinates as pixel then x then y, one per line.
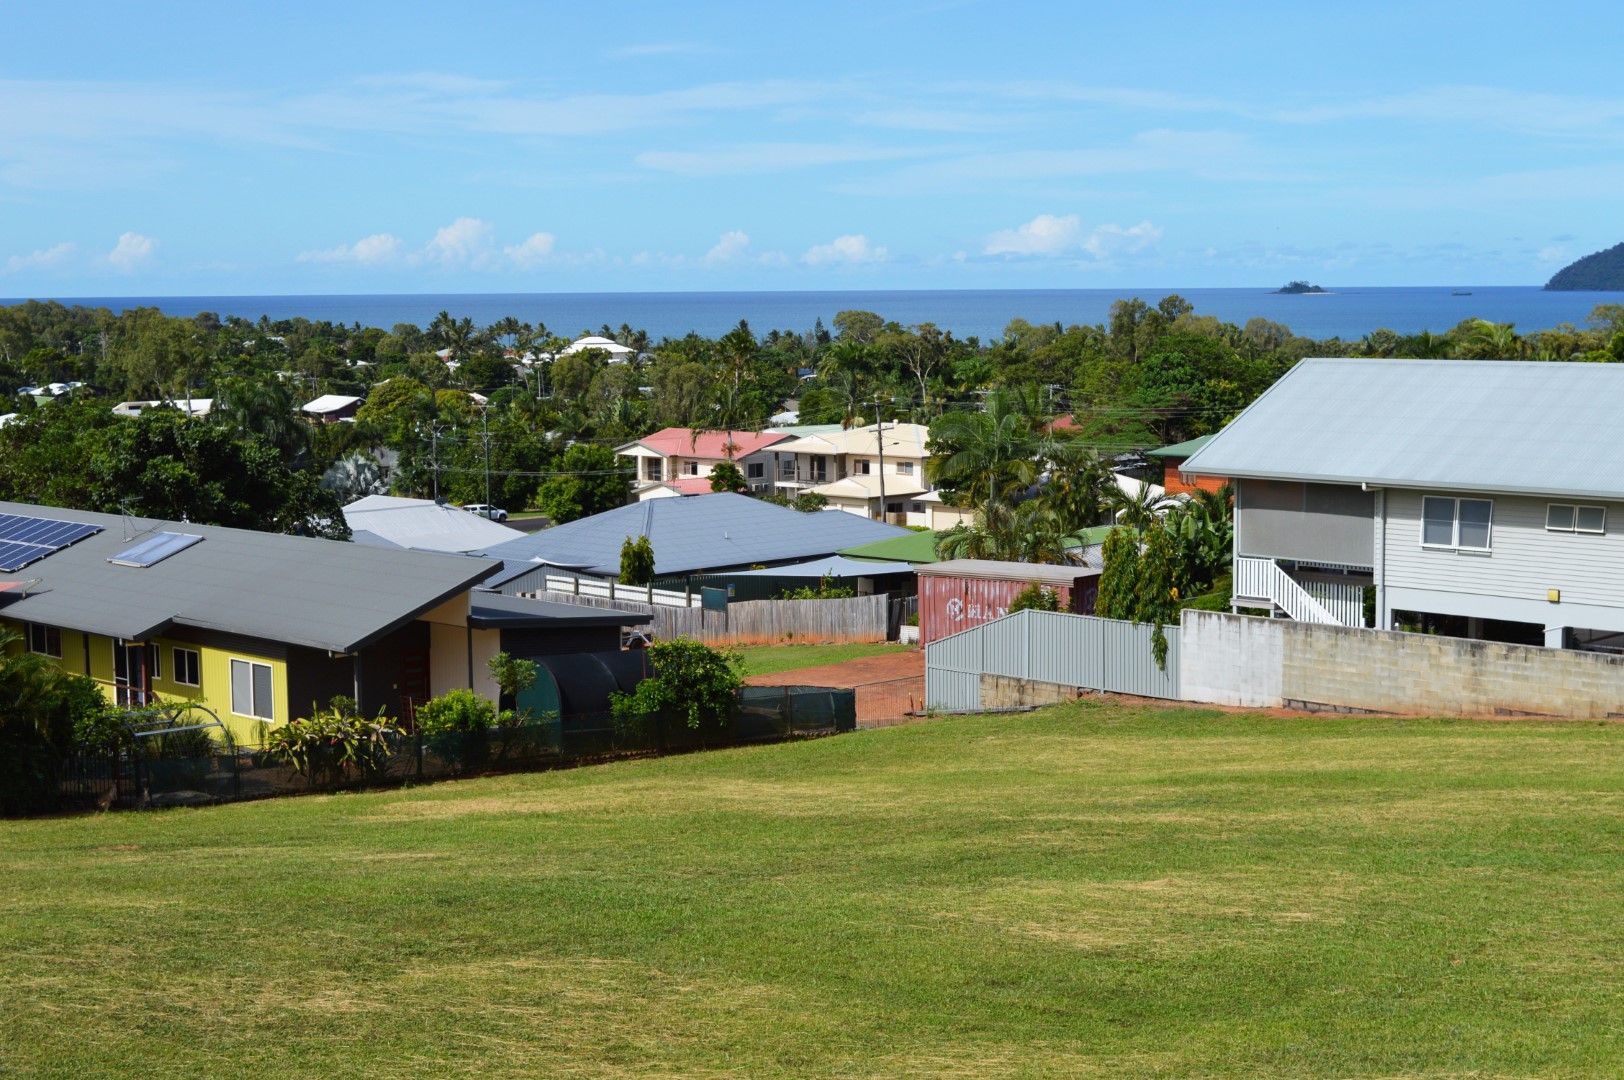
pixel 251 665
pixel 46 633
pixel 905 468
pixel 155 661
pixel 1575 509
pixel 177 668
pixel 755 470
pixel 1454 543
pixel 863 467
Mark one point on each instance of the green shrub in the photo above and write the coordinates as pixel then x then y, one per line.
pixel 693 685
pixel 455 710
pixel 1035 598
pixel 333 745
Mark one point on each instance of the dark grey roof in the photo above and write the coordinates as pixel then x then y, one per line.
pixel 1518 427
pixel 696 533
pixel 325 594
pixel 494 611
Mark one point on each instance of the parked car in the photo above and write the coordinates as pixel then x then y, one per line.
pixel 485 510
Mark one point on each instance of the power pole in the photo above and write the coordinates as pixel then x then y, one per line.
pixel 485 436
pixel 879 444
pixel 434 455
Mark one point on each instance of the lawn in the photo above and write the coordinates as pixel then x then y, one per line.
pixel 1092 889
pixel 769 659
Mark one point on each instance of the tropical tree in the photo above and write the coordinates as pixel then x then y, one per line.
pixel 726 476
pixel 354 477
pixel 1137 506
pixel 590 480
pixel 985 457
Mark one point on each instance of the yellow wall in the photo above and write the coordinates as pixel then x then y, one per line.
pixel 214 677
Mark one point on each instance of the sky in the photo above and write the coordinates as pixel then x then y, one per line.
pixel 230 148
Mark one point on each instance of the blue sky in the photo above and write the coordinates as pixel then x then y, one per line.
pixel 222 148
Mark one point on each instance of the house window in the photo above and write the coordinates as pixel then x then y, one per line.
pixel 251 689
pixel 155 667
pixel 905 468
pixel 690 468
pixel 756 470
pixel 654 472
pixel 863 467
pixel 1462 524
pixel 1568 517
pixel 786 469
pixel 45 640
pixel 186 667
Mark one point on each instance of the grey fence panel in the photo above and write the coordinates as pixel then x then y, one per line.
pixel 1129 666
pixel 1051 647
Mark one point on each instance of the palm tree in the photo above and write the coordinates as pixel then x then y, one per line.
pixel 1078 482
pixel 354 477
pixel 987 456
pixel 1486 340
pixel 264 408
pixel 1137 508
pixel 1026 532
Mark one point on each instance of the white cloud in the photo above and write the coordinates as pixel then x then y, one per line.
pixel 464 242
pixel 732 245
pixel 370 250
pixel 132 250
pixel 535 249
pixel 44 258
pixel 1045 234
pixel 1107 241
pixel 849 250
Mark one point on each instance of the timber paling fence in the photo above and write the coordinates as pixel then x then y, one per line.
pixel 132 779
pixel 755 622
pixel 1080 651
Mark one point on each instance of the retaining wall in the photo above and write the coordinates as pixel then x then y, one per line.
pixel 1244 660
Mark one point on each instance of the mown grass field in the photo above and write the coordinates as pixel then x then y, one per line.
pixel 1089 890
pixel 770 659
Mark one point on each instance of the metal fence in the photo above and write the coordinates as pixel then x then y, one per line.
pixel 133 777
pixel 1051 647
pixel 757 622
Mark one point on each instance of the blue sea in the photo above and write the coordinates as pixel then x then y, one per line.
pixel 1343 312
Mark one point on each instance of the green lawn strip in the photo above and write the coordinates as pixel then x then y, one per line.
pixel 1088 888
pixel 769 659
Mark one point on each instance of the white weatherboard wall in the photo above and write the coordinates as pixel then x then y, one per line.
pixel 1511 580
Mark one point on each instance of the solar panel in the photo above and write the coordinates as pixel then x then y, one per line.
pixel 25 540
pixel 154 549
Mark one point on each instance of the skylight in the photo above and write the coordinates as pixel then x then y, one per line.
pixel 154 549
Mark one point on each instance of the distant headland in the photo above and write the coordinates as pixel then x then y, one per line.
pixel 1299 288
pixel 1600 272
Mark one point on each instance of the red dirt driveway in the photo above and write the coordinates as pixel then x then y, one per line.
pixel 888 687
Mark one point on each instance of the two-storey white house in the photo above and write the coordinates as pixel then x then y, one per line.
pixel 875 470
pixel 1484 495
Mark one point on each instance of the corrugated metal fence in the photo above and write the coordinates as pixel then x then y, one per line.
pixel 756 622
pixel 1051 647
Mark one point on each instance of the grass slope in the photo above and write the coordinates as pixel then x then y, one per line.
pixel 1088 890
pixel 769 659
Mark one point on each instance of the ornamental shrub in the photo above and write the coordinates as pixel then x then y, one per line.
pixel 693 685
pixel 1035 598
pixel 333 745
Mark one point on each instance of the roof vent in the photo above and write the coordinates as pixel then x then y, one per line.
pixel 154 549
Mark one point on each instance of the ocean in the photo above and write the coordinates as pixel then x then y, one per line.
pixel 1343 312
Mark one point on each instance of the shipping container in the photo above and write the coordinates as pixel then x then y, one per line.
pixel 961 593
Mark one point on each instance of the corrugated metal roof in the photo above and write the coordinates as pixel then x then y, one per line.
pixel 995 570
pixel 1517 427
pixel 915 547
pixel 834 566
pixel 424 525
pixel 1183 449
pixel 324 594
pixel 488 610
pixel 703 532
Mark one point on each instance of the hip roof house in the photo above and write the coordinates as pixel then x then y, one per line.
pixel 691 536
pixel 1486 497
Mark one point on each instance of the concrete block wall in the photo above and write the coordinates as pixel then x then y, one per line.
pixel 1008 692
pixel 1242 660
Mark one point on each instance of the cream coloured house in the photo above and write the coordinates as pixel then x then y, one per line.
pixel 872 470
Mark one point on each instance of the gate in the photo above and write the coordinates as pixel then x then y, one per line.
pixel 1052 647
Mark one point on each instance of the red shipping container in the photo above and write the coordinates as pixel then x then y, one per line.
pixel 961 593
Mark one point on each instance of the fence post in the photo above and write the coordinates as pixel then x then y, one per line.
pixel 1026 652
pixel 417 750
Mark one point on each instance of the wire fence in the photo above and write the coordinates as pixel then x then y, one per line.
pixel 192 773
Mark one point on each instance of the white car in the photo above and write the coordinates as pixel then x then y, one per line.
pixel 485 510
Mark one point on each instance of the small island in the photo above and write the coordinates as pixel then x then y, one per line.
pixel 1602 271
pixel 1299 288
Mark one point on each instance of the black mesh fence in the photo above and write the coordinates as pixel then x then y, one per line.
pixel 192 773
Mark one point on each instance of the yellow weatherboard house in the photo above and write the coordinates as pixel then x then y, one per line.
pixel 255 626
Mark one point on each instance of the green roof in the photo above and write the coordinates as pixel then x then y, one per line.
pixel 916 547
pixel 1091 537
pixel 1183 449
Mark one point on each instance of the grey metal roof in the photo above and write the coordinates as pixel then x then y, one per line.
pixel 834 566
pixel 1461 425
pixel 324 594
pixel 700 532
pixel 997 570
pixel 424 525
pixel 488 610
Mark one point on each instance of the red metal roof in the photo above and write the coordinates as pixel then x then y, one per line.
pixel 713 445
